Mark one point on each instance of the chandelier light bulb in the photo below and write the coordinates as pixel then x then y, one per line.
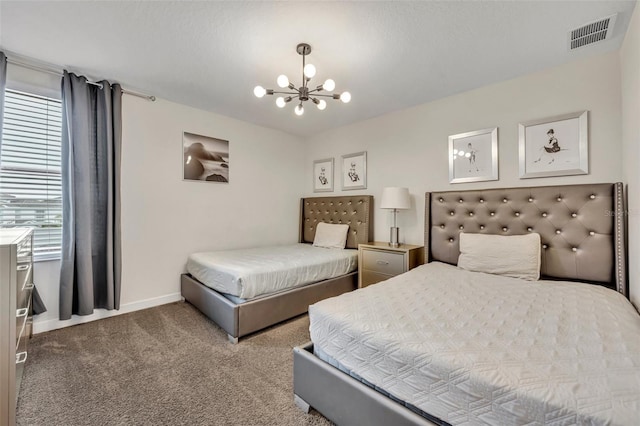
pixel 259 91
pixel 309 70
pixel 283 80
pixel 299 110
pixel 280 102
pixel 329 85
pixel 345 97
pixel 322 105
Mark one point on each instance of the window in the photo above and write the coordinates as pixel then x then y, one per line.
pixel 30 181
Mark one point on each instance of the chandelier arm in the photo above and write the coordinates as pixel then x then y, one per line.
pixel 304 78
pixel 286 93
pixel 326 96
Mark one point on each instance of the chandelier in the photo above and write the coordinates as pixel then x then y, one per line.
pixel 303 93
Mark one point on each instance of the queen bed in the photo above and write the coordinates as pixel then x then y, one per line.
pixel 244 291
pixel 445 345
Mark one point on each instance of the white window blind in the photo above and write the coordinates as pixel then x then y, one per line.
pixel 30 181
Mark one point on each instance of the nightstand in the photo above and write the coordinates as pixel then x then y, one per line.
pixel 379 261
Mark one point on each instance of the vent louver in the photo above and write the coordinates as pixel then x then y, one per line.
pixel 592 32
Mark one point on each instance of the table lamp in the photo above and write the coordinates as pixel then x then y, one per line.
pixel 396 199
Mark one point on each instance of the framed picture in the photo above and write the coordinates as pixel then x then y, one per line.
pixel 323 175
pixel 354 171
pixel 473 156
pixel 205 159
pixel 555 146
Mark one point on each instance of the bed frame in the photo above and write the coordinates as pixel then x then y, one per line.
pixel 239 320
pixel 582 230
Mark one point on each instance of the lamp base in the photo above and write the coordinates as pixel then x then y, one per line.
pixel 394 237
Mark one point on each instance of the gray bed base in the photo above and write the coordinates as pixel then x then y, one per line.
pixel 239 320
pixel 327 389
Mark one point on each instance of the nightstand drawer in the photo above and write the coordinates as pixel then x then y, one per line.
pixel 383 262
pixel 368 278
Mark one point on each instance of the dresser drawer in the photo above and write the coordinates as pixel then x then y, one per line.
pixel 24 252
pixel 24 276
pixel 383 262
pixel 21 359
pixel 24 297
pixel 22 317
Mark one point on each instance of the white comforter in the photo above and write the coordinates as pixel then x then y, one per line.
pixel 473 348
pixel 249 273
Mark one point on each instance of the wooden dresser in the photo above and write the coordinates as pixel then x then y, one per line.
pixel 16 285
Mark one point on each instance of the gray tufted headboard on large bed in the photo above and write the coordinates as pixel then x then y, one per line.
pixel 355 211
pixel 581 227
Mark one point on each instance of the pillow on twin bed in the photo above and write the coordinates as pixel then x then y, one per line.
pixel 331 235
pixel 515 256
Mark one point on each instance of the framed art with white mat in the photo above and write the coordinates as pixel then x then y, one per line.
pixel 354 171
pixel 473 156
pixel 323 175
pixel 555 146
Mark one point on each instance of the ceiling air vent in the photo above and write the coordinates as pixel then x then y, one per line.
pixel 592 32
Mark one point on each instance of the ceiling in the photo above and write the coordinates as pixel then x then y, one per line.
pixel 390 55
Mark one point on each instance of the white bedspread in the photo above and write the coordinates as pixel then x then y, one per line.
pixel 248 273
pixel 473 348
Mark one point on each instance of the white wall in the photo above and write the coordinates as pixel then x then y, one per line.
pixel 410 147
pixel 630 71
pixel 164 218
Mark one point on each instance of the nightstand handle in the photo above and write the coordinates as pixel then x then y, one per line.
pixel 382 262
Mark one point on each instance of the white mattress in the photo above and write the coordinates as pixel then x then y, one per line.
pixel 472 348
pixel 248 273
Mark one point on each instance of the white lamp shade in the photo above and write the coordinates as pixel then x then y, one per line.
pixel 396 198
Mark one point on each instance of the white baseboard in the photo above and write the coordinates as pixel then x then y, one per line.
pixel 54 324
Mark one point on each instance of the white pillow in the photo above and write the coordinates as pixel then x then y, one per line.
pixel 331 235
pixel 515 256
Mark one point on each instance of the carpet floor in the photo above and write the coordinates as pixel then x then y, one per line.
pixel 160 366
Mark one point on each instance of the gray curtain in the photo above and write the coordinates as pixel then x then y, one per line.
pixel 91 143
pixel 3 86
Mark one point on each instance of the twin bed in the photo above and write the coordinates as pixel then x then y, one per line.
pixel 443 345
pixel 244 291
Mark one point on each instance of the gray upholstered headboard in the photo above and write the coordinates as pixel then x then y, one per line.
pixel 355 211
pixel 581 227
